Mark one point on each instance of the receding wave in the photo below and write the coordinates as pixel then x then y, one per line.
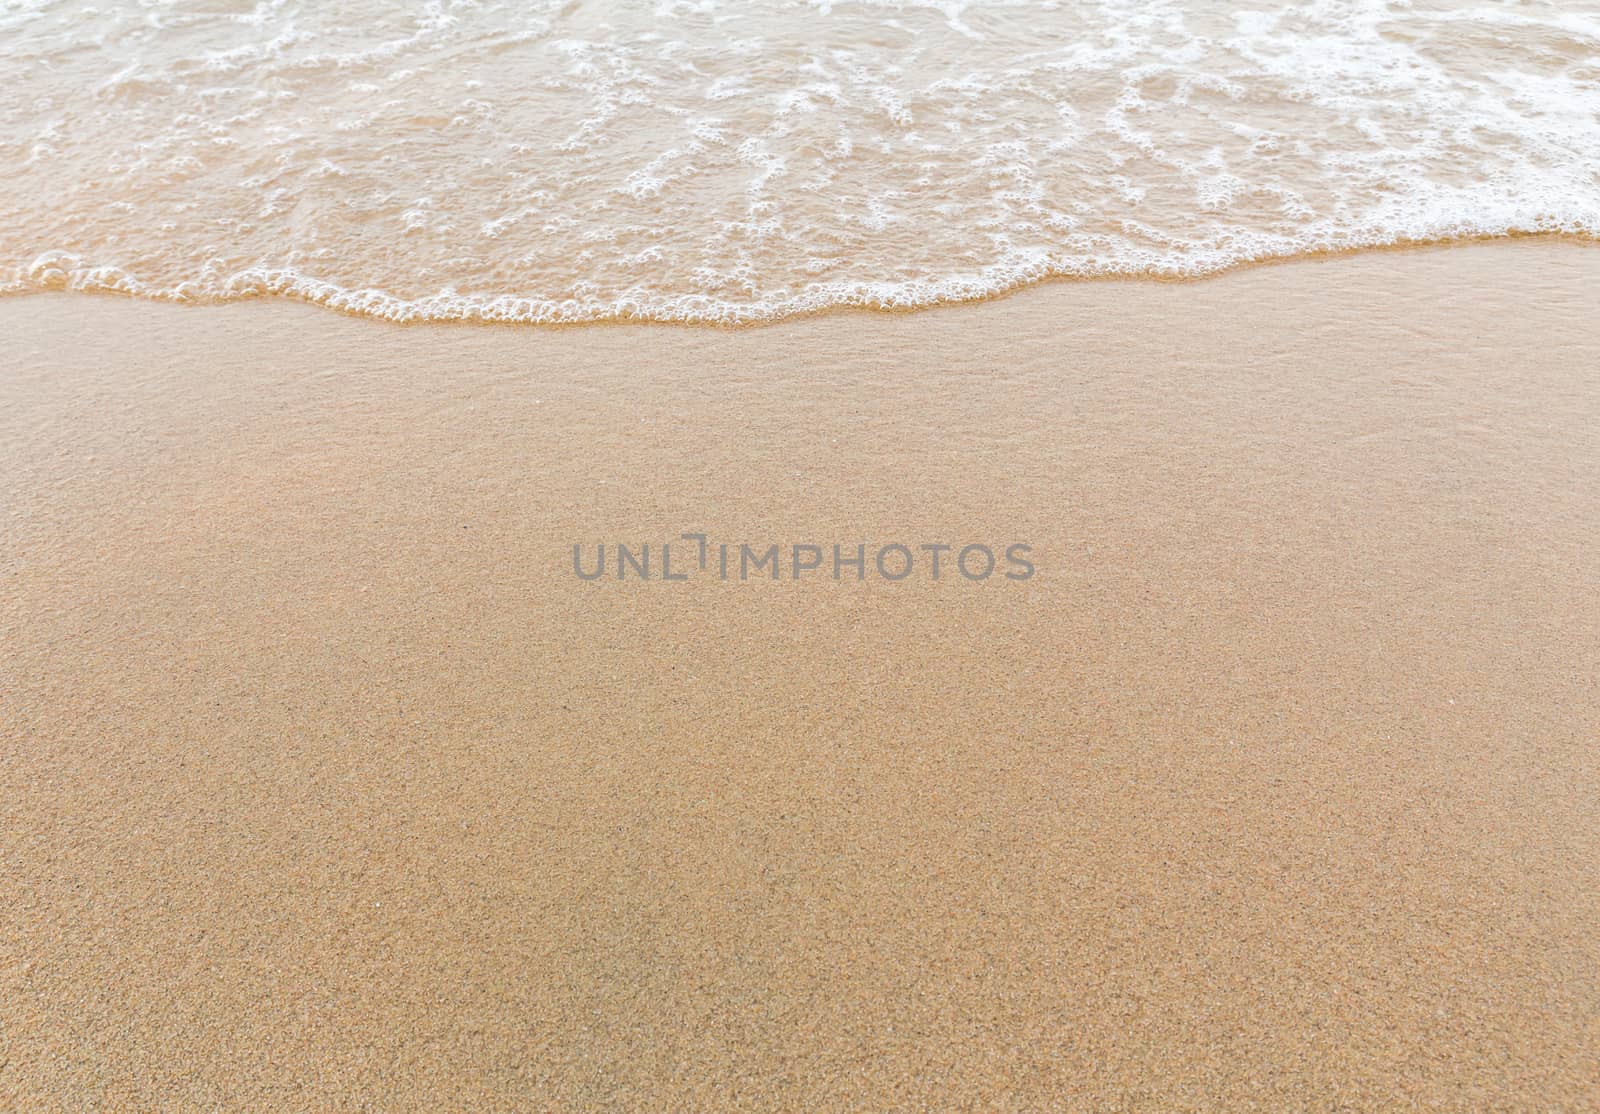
pixel 693 161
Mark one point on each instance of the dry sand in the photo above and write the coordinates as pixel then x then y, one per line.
pixel 324 783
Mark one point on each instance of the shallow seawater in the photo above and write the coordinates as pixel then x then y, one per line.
pixel 574 161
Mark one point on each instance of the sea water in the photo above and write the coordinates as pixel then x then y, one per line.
pixel 575 160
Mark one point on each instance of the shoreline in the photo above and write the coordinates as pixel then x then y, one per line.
pixel 325 783
pixel 478 316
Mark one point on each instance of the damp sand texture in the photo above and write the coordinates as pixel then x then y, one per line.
pixel 325 785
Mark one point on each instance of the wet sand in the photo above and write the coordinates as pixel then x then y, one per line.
pixel 325 784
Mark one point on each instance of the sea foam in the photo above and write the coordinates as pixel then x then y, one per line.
pixel 563 162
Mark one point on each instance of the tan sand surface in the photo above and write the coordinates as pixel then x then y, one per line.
pixel 325 784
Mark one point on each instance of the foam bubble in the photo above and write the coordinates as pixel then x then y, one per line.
pixel 542 161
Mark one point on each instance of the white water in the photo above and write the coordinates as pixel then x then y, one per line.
pixel 573 161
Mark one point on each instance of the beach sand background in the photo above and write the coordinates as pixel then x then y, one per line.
pixel 325 784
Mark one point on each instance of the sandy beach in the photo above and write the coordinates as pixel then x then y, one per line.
pixel 324 783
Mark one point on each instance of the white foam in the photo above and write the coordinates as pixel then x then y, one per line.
pixel 541 161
